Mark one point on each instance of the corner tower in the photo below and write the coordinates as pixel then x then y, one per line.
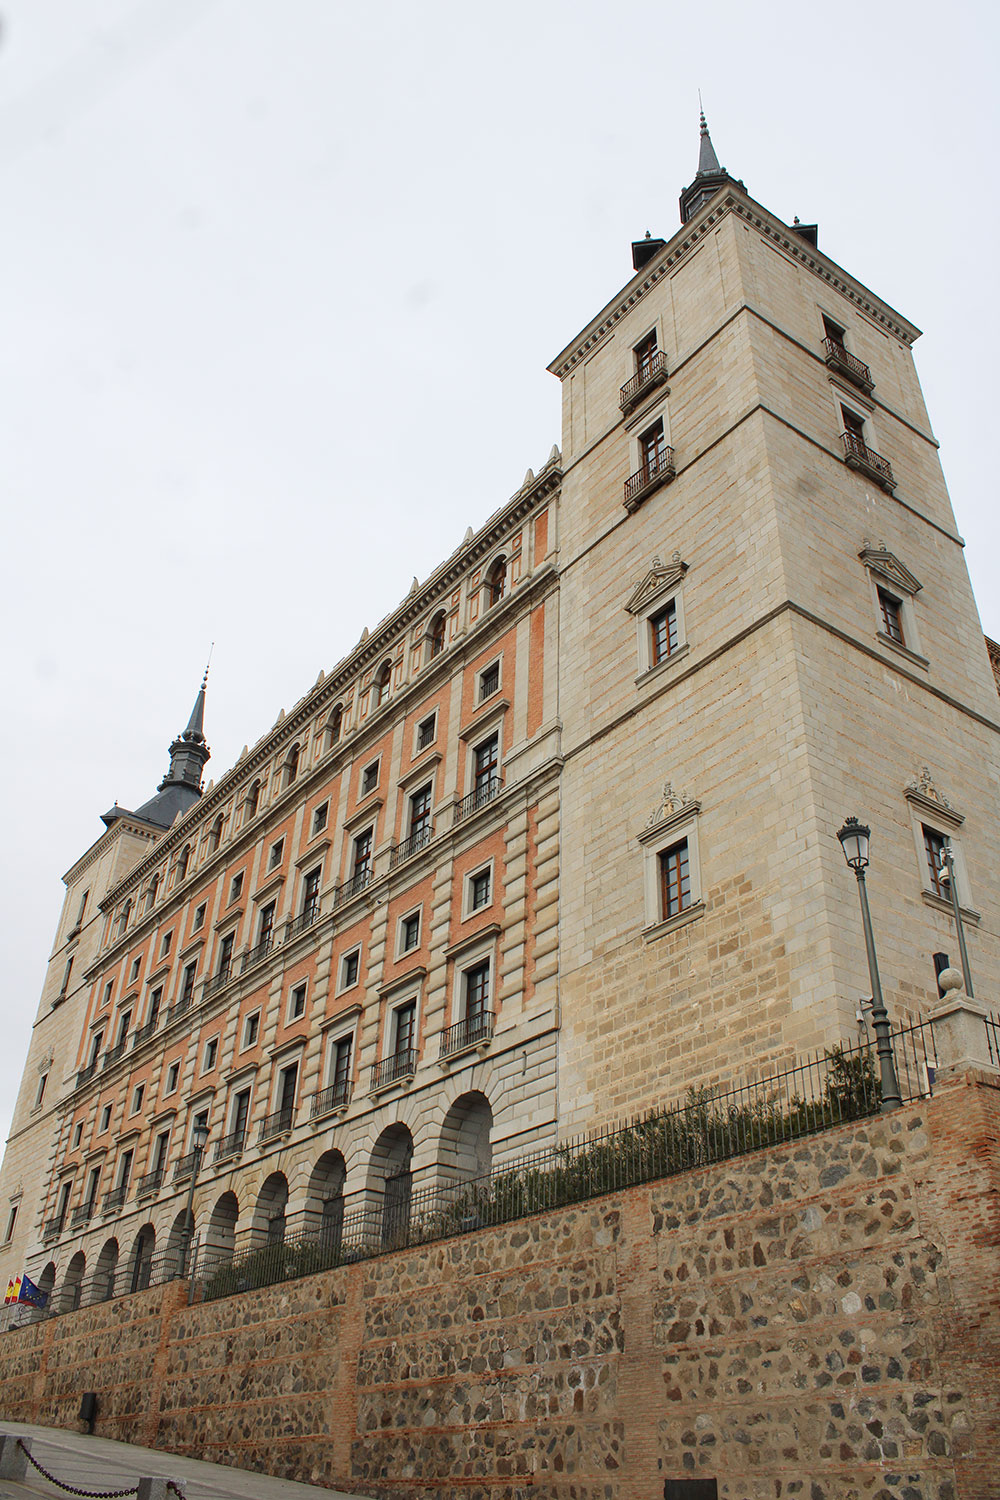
pixel 766 625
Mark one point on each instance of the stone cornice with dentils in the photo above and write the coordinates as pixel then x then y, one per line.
pixel 382 639
pixel 725 202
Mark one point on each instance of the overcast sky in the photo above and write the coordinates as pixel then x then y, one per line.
pixel 280 283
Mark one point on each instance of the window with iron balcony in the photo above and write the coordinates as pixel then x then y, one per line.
pixel 656 465
pixel 650 371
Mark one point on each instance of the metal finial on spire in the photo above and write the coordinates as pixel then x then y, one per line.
pixel 710 176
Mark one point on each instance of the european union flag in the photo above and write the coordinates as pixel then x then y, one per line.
pixel 31 1294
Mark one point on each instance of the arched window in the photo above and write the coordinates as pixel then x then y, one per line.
pixel 292 763
pixel 334 725
pixel 215 837
pixel 124 915
pixel 183 860
pixel 381 685
pixel 436 634
pixel 252 802
pixel 496 582
pixel 151 890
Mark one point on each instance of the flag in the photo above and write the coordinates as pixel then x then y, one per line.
pixel 13 1290
pixel 31 1294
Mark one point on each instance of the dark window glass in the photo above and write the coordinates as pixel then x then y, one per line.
pixel 675 880
pixel 663 630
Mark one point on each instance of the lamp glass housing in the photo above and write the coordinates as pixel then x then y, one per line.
pixel 199 1136
pixel 854 837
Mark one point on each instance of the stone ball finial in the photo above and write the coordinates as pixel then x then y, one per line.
pixel 950 980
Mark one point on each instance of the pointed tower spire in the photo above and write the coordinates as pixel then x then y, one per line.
pixel 181 787
pixel 709 178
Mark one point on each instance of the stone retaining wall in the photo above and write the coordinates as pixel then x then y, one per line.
pixel 820 1320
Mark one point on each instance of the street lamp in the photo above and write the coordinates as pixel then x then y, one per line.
pixel 199 1135
pixel 854 837
pixel 947 875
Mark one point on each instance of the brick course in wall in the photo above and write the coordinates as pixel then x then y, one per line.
pixel 819 1320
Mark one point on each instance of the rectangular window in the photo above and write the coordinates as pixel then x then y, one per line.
pixel 833 330
pixel 892 616
pixel 489 681
pixel 240 1114
pixel 105 1119
pixel 226 954
pixel 199 916
pixel 236 887
pixel 95 1177
pixel 426 731
pixel 310 893
pixel 420 818
pixel 154 1007
pixel 853 424
pixel 645 354
pixel 479 890
pixel 361 868
pixel 77 1133
pixel 477 990
pixel 297 1005
pixel 486 761
pixel 934 844
pixel 173 1073
pixel 187 983
pixel 40 1095
pixel 320 818
pixel 97 1041
pixel 133 974
pixel 137 1097
pixel 274 858
pixel 11 1221
pixel 340 1070
pixel 160 1151
pixel 67 971
pixel 350 966
pixel 211 1054
pixel 410 932
pixel 265 931
pixel 663 633
pixel 369 778
pixel 405 1022
pixel 124 1022
pixel 286 1089
pixel 251 1029
pixel 653 448
pixel 675 880
pixel 108 992
pixel 168 938
pixel 124 1169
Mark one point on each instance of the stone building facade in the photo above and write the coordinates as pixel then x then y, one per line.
pixel 558 838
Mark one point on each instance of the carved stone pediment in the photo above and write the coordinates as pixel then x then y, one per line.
pixel 661 576
pixel 880 560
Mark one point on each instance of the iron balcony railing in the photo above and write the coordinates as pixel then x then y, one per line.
pixel 53 1227
pixel 276 1123
pixel 219 979
pixel 230 1145
pixel 337 1096
pixel 417 840
pixel 259 952
pixel 860 456
pixel 183 1004
pixel 86 1074
pixel 150 1183
pixel 471 1032
pixel 82 1215
pixel 478 797
pixel 305 918
pixel 114 1200
pixel 398 1065
pixel 840 358
pixel 657 470
pixel 352 886
pixel 143 1033
pixel 114 1053
pixel 186 1165
pixel 653 373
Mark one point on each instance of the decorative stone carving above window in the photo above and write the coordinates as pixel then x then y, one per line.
pixel 880 560
pixel 922 791
pixel 660 578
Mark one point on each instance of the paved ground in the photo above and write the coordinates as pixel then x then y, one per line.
pixel 96 1463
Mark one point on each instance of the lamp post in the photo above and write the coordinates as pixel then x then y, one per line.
pixel 947 874
pixel 199 1135
pixel 854 837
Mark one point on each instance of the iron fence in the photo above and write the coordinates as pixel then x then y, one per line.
pixel 856 451
pixel 841 358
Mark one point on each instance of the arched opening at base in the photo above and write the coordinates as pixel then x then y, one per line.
pixel 390 1183
pixel 140 1262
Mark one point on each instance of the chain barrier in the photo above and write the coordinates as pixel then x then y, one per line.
pixel 90 1494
